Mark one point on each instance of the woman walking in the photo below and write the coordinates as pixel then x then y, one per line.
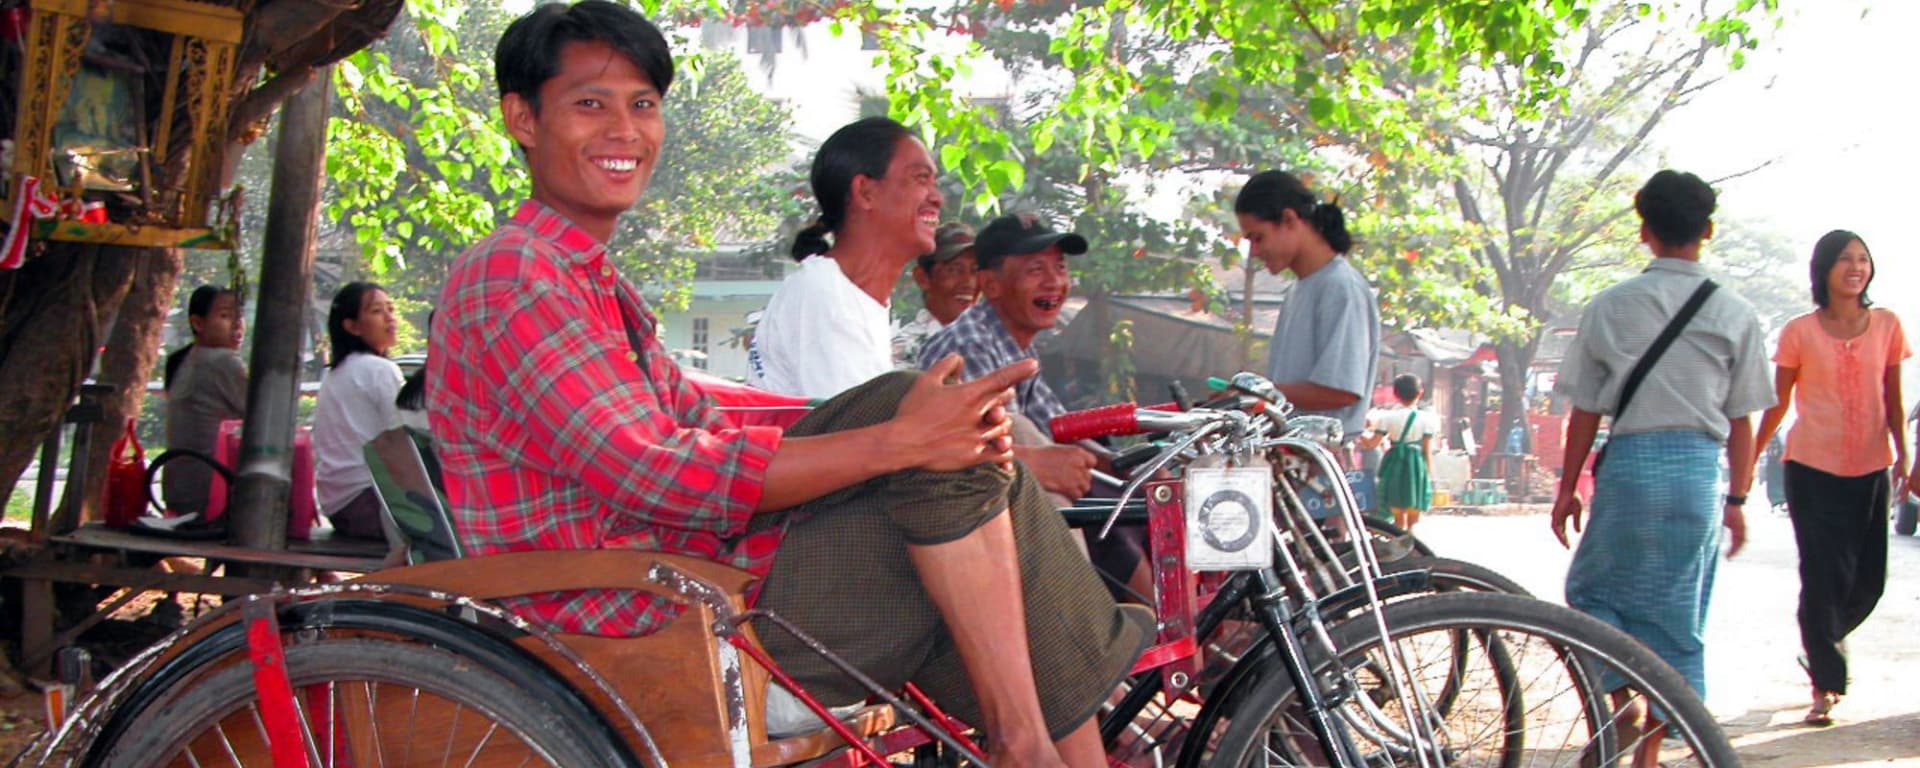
pixel 1839 366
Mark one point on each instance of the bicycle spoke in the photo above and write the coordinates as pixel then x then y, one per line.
pixel 373 722
pixel 482 746
pixel 452 729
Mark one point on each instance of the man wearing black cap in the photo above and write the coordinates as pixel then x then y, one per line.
pixel 945 278
pixel 1023 280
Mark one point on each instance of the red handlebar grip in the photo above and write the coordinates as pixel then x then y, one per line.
pixel 1116 419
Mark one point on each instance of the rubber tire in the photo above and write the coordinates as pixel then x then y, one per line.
pixel 1386 530
pixel 1450 575
pixel 163 729
pixel 1591 639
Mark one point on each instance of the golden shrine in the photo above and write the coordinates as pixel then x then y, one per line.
pixel 119 114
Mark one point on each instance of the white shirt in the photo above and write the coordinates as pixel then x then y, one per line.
pixel 820 335
pixel 355 404
pixel 1391 420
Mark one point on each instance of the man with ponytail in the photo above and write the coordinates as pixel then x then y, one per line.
pixel 890 523
pixel 827 328
pixel 1326 345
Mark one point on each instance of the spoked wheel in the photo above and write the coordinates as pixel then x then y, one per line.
pixel 1237 638
pixel 364 702
pixel 1528 694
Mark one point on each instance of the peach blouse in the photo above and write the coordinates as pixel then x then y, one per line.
pixel 1841 427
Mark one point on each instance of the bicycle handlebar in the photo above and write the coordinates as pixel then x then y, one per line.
pixel 1104 421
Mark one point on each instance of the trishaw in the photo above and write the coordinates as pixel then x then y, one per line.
pixel 1281 641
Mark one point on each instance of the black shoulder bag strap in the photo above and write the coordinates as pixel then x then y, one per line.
pixel 1658 348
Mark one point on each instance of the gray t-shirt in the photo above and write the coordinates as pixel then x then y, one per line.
pixel 1329 334
pixel 210 387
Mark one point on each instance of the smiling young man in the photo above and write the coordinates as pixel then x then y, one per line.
pixel 883 523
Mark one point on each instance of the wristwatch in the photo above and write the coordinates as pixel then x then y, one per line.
pixel 1736 501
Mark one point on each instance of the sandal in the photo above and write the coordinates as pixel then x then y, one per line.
pixel 1821 713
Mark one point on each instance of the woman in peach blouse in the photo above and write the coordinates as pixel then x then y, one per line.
pixel 1839 367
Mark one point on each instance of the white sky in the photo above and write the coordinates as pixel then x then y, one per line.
pixel 1830 95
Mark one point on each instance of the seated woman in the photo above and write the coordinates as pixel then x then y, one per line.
pixel 206 384
pixel 356 403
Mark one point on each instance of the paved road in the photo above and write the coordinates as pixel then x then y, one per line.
pixel 1754 686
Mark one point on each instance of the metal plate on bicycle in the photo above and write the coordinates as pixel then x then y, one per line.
pixel 1229 518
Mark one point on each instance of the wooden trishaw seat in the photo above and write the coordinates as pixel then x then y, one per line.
pixel 658 674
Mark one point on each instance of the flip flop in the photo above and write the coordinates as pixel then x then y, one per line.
pixel 1821 713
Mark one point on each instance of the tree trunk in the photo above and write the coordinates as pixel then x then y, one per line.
pixel 132 347
pixel 1515 360
pixel 51 314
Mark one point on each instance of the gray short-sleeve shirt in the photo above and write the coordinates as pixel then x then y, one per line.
pixel 1715 371
pixel 1329 334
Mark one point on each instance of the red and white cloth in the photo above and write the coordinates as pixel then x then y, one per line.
pixel 30 203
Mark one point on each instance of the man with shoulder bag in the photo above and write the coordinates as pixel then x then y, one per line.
pixel 1690 360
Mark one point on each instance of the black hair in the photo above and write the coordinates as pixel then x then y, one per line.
pixel 1406 386
pixel 1676 207
pixel 861 148
pixel 347 303
pixel 413 393
pixel 1269 194
pixel 528 54
pixel 1825 254
pixel 199 303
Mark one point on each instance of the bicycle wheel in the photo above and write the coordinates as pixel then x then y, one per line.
pixel 1245 639
pixel 361 702
pixel 1556 656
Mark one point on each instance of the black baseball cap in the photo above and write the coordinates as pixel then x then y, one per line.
pixel 1016 234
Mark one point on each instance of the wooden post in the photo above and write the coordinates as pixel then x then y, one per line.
pixel 259 500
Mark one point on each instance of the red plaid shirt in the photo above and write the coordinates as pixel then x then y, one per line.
pixel 554 432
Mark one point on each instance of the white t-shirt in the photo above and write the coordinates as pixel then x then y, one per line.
pixel 355 404
pixel 820 335
pixel 1392 420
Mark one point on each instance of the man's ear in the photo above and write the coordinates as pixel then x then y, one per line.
pixel 520 116
pixel 922 279
pixel 1708 235
pixel 863 191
